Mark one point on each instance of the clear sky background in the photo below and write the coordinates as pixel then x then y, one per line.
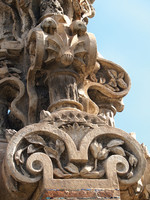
pixel 122 30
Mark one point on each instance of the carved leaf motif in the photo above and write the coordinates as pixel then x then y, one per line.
pixel 133 160
pixel 102 80
pixel 121 75
pixel 77 46
pixel 72 168
pixel 115 142
pixel 112 73
pixel 32 148
pixel 53 44
pixel 121 83
pixel 51 152
pixel 111 88
pixel 102 155
pixel 113 83
pixel 44 114
pixel 91 175
pixel 95 148
pixel 117 89
pixel 130 175
pixel 94 174
pixel 79 49
pixel 60 146
pixel 51 58
pixel 19 158
pixel 35 139
pixel 52 49
pixel 59 174
pixel 118 150
pixel 86 169
pixel 75 126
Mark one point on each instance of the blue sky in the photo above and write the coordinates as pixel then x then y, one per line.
pixel 122 30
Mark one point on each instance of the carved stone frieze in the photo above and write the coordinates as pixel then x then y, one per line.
pixel 71 156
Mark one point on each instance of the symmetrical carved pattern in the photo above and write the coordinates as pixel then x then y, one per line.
pixel 58 99
pixel 69 157
pixel 55 149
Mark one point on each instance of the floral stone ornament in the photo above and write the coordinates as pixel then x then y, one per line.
pixel 58 99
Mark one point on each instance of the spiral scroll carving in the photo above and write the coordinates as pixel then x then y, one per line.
pixel 56 154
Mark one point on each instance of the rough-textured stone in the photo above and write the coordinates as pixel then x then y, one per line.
pixel 58 99
pixel 81 194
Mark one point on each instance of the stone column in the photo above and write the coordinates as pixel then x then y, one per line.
pixel 63 92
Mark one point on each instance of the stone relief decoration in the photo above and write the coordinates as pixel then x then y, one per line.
pixel 58 99
pixel 55 148
pixel 74 148
pixel 57 48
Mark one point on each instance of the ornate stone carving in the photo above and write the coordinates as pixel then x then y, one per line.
pixel 58 99
pixel 59 49
pixel 55 139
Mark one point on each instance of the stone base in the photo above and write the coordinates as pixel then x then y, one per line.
pixel 81 194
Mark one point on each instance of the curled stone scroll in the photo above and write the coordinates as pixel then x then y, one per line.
pixel 102 153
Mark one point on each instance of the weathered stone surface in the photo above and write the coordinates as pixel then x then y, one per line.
pixel 81 194
pixel 3 191
pixel 58 99
pixel 68 163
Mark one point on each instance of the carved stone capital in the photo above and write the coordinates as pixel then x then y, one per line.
pixel 72 147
